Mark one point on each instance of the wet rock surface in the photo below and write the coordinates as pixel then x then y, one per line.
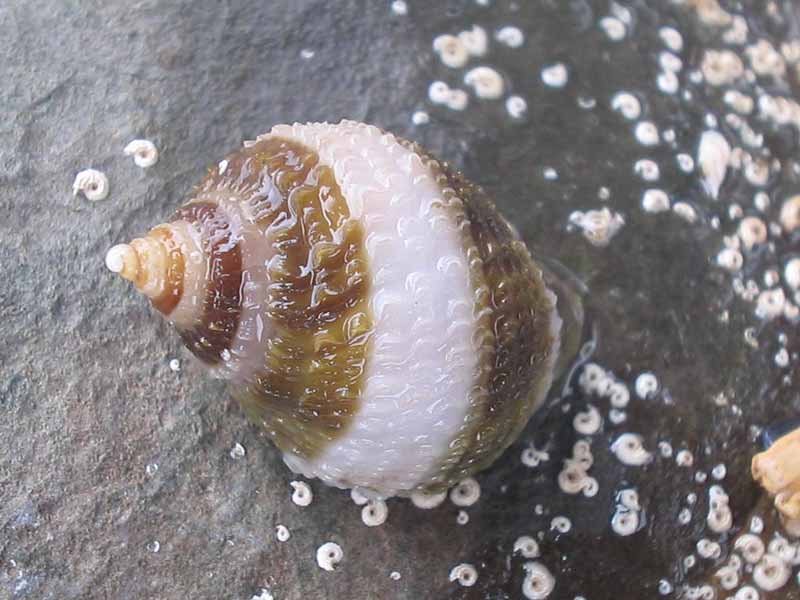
pixel 117 477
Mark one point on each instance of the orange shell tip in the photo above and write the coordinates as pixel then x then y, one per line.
pixel 122 259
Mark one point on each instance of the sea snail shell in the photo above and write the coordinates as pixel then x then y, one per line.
pixel 372 310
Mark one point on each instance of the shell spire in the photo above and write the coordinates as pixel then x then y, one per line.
pixel 155 264
pixel 144 262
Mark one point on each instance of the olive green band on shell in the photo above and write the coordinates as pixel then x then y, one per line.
pixel 307 388
pixel 517 328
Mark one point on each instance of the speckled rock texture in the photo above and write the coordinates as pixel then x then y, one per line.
pixel 116 473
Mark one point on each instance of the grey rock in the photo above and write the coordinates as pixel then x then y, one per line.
pixel 87 398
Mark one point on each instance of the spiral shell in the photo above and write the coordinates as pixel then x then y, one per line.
pixel 372 310
pixel 92 183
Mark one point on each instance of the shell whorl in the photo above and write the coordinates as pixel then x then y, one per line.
pixel 372 310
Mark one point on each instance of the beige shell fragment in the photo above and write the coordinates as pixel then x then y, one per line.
pixel 778 471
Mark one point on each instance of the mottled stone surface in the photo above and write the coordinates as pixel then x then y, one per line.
pixel 87 398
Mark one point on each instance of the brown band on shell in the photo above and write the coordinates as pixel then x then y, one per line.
pixel 173 284
pixel 211 336
pixel 522 322
pixel 317 321
pixel 513 312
